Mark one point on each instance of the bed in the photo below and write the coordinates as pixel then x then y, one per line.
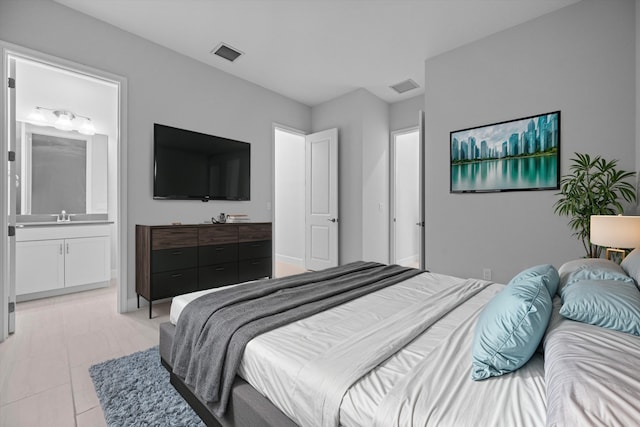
pixel 405 355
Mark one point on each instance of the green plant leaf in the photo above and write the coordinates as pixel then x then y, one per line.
pixel 594 186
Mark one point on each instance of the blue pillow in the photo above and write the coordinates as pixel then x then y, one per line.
pixel 590 269
pixel 510 328
pixel 597 273
pixel 612 304
pixel 550 277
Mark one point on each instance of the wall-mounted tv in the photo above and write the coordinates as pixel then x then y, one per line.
pixel 190 165
pixel 520 154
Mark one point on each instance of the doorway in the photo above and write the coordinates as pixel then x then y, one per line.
pixel 406 226
pixel 90 95
pixel 306 223
pixel 289 199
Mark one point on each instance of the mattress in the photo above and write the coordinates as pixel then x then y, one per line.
pixel 272 361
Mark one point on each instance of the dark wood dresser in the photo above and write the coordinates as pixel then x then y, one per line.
pixel 177 259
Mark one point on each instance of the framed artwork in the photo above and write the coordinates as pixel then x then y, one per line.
pixel 520 154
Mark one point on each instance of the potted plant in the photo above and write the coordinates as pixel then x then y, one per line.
pixel 595 186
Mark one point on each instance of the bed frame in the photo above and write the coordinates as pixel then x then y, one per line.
pixel 247 407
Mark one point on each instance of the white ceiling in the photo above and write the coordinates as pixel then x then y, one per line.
pixel 315 50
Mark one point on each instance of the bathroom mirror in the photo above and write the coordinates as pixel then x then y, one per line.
pixel 60 170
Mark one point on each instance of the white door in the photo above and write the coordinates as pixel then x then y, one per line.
pixel 321 211
pixel 86 260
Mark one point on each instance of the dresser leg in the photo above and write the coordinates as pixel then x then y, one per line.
pixel 138 295
pixel 150 309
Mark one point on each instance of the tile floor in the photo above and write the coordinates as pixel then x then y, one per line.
pixel 44 378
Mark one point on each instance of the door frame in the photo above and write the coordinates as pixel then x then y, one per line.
pixel 121 224
pixel 392 192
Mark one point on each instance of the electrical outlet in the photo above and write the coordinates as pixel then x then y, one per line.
pixel 486 273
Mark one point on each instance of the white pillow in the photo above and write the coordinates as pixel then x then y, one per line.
pixel 631 265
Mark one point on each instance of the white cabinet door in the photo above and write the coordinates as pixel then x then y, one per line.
pixel 39 266
pixel 87 260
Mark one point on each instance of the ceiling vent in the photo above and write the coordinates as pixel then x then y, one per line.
pixel 404 86
pixel 227 52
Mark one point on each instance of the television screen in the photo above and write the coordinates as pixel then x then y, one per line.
pixel 191 165
pixel 520 154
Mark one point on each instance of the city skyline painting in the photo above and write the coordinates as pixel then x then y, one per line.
pixel 520 154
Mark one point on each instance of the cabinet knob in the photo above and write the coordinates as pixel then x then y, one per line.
pixel 176 275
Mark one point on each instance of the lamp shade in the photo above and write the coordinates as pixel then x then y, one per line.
pixel 615 231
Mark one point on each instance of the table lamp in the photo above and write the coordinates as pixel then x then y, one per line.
pixel 616 233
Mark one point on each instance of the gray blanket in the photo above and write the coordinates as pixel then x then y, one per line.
pixel 212 331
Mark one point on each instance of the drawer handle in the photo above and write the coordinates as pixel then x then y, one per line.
pixel 177 275
pixel 220 269
pixel 256 263
pixel 220 249
pixel 176 253
pixel 256 245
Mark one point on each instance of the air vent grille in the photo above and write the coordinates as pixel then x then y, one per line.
pixel 404 86
pixel 227 52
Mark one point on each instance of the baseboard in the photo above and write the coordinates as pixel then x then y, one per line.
pixel 290 260
pixel 62 291
pixel 408 260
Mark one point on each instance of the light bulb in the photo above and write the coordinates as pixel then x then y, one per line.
pixel 87 128
pixel 36 117
pixel 63 122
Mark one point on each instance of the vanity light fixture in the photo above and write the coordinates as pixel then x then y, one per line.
pixel 65 120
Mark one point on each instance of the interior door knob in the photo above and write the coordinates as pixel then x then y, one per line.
pixel 333 219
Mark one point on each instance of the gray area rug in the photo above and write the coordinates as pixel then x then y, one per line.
pixel 134 390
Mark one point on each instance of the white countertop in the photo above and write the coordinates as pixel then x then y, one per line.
pixel 61 224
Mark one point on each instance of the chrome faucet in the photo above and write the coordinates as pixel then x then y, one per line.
pixel 63 217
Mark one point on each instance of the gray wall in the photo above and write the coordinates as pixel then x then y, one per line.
pixel 580 60
pixel 404 114
pixel 362 120
pixel 163 87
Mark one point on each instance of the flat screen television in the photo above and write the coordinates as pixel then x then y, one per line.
pixel 195 166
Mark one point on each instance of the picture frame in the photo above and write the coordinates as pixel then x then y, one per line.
pixel 514 155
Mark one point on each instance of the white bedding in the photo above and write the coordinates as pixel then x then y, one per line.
pixel 272 361
pixel 592 373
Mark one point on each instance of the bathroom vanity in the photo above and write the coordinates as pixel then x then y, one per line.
pixel 57 258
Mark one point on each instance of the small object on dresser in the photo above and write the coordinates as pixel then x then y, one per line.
pixel 176 223
pixel 236 218
pixel 221 219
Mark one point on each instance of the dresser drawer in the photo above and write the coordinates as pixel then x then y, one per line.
pixel 218 234
pixel 217 254
pixel 179 237
pixel 217 275
pixel 172 283
pixel 257 249
pixel 173 259
pixel 252 269
pixel 253 232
